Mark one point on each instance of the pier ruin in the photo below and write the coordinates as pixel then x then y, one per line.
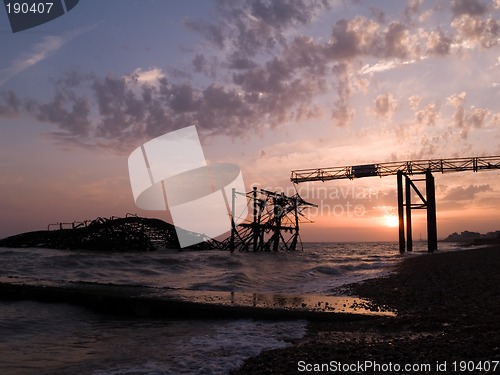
pixel 406 170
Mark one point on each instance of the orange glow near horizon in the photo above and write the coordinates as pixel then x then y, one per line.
pixel 391 221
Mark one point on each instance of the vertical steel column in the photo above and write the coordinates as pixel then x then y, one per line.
pixel 279 204
pixel 278 213
pixel 401 213
pixel 409 237
pixel 233 225
pixel 296 213
pixel 255 221
pixel 431 213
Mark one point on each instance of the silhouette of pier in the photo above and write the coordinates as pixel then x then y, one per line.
pixel 274 225
pixel 116 234
pixel 405 169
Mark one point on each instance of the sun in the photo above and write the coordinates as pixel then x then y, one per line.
pixel 391 221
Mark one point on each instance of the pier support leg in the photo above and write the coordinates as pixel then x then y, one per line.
pixel 431 213
pixel 401 213
pixel 255 221
pixel 233 225
pixel 278 214
pixel 409 237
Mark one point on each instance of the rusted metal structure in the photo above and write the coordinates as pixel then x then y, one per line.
pixel 405 169
pixel 117 234
pixel 274 227
pixel 274 223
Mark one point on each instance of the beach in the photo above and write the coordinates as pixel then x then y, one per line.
pixel 446 304
pixel 109 338
pixel 448 307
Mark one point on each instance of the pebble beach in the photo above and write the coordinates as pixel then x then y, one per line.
pixel 448 308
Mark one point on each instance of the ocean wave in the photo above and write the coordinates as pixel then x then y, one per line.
pixel 328 270
pixel 224 261
pixel 363 266
pixel 229 281
pixel 293 272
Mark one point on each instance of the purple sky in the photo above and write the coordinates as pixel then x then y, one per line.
pixel 271 86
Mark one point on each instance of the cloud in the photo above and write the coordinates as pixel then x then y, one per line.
pixel 40 51
pixel 150 76
pixel 496 120
pixel 428 148
pixel 251 30
pixel 414 102
pixel 263 71
pixel 384 106
pixel 377 14
pixel 342 115
pixel 477 31
pixel 69 114
pixel 412 9
pixel 469 7
pixel 428 115
pixel 122 112
pixel 476 117
pixel 467 119
pixel 270 78
pixel 457 102
pixel 247 27
pixel 10 104
pixel 210 66
pixel 397 41
pixel 466 193
pixel 350 38
pixel 379 67
pixel 438 43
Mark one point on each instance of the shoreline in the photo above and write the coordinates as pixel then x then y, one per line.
pixel 448 308
pixel 165 303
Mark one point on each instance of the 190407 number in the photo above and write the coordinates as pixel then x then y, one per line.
pixel 471 366
pixel 25 8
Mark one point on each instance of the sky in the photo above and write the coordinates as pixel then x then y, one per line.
pixel 271 86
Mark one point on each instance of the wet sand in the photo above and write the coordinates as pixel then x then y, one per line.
pixel 167 303
pixel 448 307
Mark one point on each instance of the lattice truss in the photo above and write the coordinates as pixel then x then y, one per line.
pixel 273 223
pixel 474 164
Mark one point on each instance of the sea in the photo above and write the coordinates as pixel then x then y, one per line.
pixel 57 338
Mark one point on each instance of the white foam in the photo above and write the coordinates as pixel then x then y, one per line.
pixel 216 348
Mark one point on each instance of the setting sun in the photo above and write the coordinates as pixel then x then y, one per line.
pixel 391 221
